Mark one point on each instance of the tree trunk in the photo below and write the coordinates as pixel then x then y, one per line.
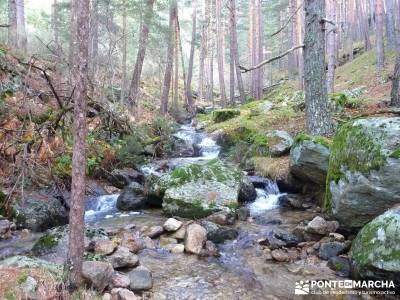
pixel 318 121
pixel 300 35
pixel 380 51
pixel 202 57
pixel 390 23
pixel 94 32
pixel 76 215
pixel 170 58
pixel 292 59
pixel 124 50
pixel 178 34
pixel 73 32
pixel 395 95
pixel 56 28
pixel 259 51
pixel 12 22
pixel 331 15
pixel 220 52
pixel 143 38
pixel 21 30
pixel 350 29
pixel 191 59
pixel 211 39
pixel 235 49
pixel 176 66
pixel 360 7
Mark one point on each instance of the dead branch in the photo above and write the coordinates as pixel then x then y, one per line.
pixel 4 25
pixel 391 110
pixel 287 21
pixel 245 70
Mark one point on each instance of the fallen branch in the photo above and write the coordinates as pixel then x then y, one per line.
pixel 287 21
pixel 391 110
pixel 245 70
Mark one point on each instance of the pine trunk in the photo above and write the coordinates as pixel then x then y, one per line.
pixel 73 32
pixel 300 35
pixel 318 121
pixel 331 15
pixel 390 24
pixel 12 22
pixel 395 95
pixel 292 59
pixel 77 211
pixel 191 58
pixel 124 50
pixel 220 52
pixel 380 51
pixel 55 25
pixel 21 29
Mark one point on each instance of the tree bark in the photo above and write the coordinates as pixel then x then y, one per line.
pixel 124 50
pixel 350 29
pixel 380 50
pixel 220 52
pixel 55 24
pixel 143 39
pixel 170 58
pixel 318 121
pixel 12 22
pixel 395 94
pixel 73 32
pixel 360 7
pixel 390 24
pixel 191 59
pixel 202 57
pixel 292 57
pixel 21 29
pixel 331 15
pixel 176 66
pixel 300 22
pixel 76 215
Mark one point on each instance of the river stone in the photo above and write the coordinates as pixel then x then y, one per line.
pixel 123 258
pixel 330 249
pixel 152 232
pixel 104 247
pixel 181 147
pixel 175 248
pixel 309 161
pixel 172 224
pixel 219 234
pixel 279 142
pixel 6 228
pixel 40 211
pixel 195 238
pixel 376 249
pixel 119 280
pixel 280 255
pixel 319 225
pixel 133 242
pixel 365 157
pixel 120 178
pixel 341 265
pixel 247 192
pixel 97 273
pixel 141 279
pixel 132 197
pixel 180 233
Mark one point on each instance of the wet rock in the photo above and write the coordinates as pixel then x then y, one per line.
pixel 123 258
pixel 330 249
pixel 279 142
pixel 104 247
pixel 133 242
pixel 153 231
pixel 119 280
pixel 172 224
pixel 293 201
pixel 164 241
pixel 6 229
pixel 337 237
pixel 195 238
pixel 277 239
pixel 182 147
pixel 122 294
pixel 320 226
pixel 280 255
pixel 29 287
pixel 219 234
pixel 247 192
pixel 300 231
pixel 309 158
pixel 242 213
pixel 148 243
pixel 180 233
pixel 210 249
pixel 141 279
pixel 375 250
pixel 175 248
pixel 132 197
pixel 40 211
pixel 97 273
pixel 365 155
pixel 341 265
pixel 120 178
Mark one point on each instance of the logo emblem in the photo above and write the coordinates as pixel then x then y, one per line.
pixel 302 287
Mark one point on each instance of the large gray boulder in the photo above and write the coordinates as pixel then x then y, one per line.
pixel 120 178
pixel 196 191
pixel 97 273
pixel 132 197
pixel 376 249
pixel 309 158
pixel 364 165
pixel 279 142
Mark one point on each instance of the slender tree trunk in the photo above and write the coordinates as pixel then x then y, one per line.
pixel 211 40
pixel 143 38
pixel 12 22
pixel 360 7
pixel 124 50
pixel 318 121
pixel 292 59
pixel 178 34
pixel 220 52
pixel 234 48
pixel 390 24
pixel 202 58
pixel 170 58
pixel 176 67
pixel 73 27
pixel 395 95
pixel 21 30
pixel 94 32
pixel 191 58
pixel 331 15
pixel 76 215
pixel 260 52
pixel 56 28
pixel 350 29
pixel 380 50
pixel 300 22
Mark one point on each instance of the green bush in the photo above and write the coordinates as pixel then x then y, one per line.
pixel 131 151
pixel 222 115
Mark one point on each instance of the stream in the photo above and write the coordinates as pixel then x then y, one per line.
pixel 240 272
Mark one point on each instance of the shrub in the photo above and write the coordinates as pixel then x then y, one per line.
pixel 224 114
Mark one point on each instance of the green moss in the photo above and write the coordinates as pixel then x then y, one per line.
pixel 395 154
pixel 222 115
pixel 316 139
pixel 22 277
pixel 45 243
pixel 355 149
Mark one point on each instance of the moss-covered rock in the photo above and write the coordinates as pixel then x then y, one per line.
pixel 309 157
pixel 361 182
pixel 46 243
pixel 224 114
pixel 376 249
pixel 279 142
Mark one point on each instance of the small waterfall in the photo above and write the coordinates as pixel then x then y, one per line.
pixel 101 206
pixel 267 198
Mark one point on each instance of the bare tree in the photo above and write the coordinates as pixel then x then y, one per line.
pixel 331 45
pixel 73 27
pixel 191 58
pixel 55 25
pixel 220 51
pixel 292 38
pixel 170 58
pixel 76 215
pixel 318 120
pixel 380 50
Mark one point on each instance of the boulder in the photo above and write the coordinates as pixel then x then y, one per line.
pixel 195 238
pixel 40 211
pixel 361 182
pixel 247 192
pixel 6 229
pixel 181 147
pixel 132 197
pixel 119 280
pixel 172 225
pixel 320 226
pixel 196 191
pixel 279 142
pixel 152 232
pixel 122 294
pixel 309 158
pixel 123 258
pixel 376 249
pixel 341 265
pixel 104 247
pixel 120 178
pixel 141 279
pixel 330 249
pixel 219 234
pixel 97 273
